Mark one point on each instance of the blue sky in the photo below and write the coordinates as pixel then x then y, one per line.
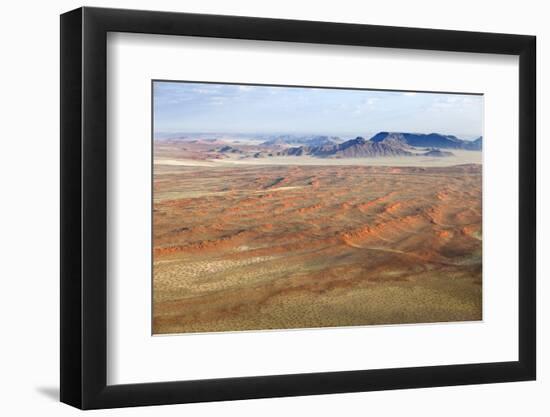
pixel 222 108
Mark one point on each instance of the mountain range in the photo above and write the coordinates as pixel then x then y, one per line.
pixel 431 140
pixel 388 144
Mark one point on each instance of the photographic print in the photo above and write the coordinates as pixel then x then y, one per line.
pixel 291 207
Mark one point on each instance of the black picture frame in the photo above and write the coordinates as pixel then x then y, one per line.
pixel 84 207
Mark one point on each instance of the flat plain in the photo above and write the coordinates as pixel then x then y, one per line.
pixel 301 242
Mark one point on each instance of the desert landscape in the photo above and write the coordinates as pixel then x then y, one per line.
pixel 243 242
pixel 260 225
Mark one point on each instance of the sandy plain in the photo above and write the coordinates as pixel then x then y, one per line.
pixel 262 245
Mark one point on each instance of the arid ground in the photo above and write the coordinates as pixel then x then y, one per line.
pixel 261 245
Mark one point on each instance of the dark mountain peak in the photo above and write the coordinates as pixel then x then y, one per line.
pixel 396 139
pixel 353 148
pixel 353 142
pixel 360 148
pixel 379 137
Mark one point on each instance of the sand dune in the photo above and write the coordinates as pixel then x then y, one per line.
pixel 249 245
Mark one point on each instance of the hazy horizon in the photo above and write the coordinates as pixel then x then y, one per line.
pixel 232 109
pixel 343 136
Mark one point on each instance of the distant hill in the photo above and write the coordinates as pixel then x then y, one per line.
pixel 438 152
pixel 360 148
pixel 431 140
pixel 354 148
pixel 302 140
